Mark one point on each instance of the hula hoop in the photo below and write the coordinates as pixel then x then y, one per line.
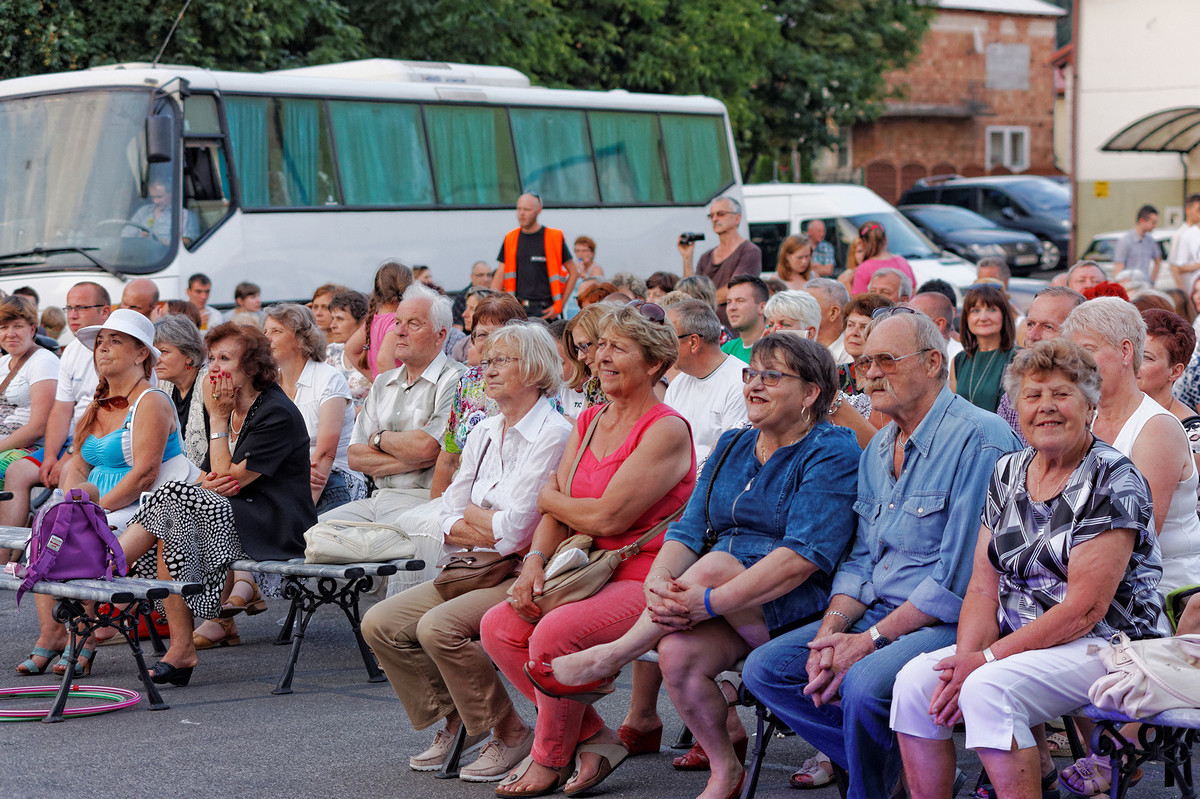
pixel 119 698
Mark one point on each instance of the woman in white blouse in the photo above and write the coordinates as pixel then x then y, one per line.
pixel 429 647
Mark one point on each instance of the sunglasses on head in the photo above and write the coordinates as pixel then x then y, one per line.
pixel 892 310
pixel 648 310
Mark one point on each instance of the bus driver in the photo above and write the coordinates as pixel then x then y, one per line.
pixel 154 218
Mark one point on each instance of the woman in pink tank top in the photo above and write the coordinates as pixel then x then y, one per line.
pixel 876 257
pixel 637 470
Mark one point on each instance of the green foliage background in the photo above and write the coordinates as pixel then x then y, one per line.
pixel 791 72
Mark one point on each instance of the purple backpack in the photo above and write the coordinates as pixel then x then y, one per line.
pixel 72 540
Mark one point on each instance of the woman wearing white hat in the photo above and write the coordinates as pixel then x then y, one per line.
pixel 131 444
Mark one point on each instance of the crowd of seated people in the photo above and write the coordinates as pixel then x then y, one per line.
pixel 893 502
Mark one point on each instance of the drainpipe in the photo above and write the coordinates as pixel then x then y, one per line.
pixel 1076 10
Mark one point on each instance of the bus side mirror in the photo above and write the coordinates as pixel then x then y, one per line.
pixel 160 136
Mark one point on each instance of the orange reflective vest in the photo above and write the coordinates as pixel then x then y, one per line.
pixel 553 241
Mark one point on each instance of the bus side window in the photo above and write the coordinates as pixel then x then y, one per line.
pixel 204 183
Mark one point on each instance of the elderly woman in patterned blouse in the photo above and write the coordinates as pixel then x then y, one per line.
pixel 1066 558
pixel 428 646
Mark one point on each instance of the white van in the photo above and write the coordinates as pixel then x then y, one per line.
pixel 778 210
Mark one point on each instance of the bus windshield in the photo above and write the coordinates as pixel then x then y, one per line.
pixel 76 189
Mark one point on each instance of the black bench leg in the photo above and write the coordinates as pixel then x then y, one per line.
pixel 763 731
pixel 350 608
pixel 285 682
pixel 289 624
pixel 156 642
pixel 60 699
pixel 684 740
pixel 449 769
pixel 152 695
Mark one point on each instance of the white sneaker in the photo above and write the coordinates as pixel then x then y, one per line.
pixel 435 756
pixel 496 760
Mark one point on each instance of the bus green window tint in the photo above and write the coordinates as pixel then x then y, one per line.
pixel 200 116
pixel 697 156
pixel 628 150
pixel 381 153
pixel 472 155
pixel 554 155
pixel 248 130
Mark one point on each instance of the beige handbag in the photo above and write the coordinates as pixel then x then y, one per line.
pixel 588 578
pixel 1147 677
pixel 356 542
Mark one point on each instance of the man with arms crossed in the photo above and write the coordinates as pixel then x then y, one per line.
pixel 921 486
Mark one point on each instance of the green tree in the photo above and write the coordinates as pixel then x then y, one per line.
pixel 827 72
pixel 38 36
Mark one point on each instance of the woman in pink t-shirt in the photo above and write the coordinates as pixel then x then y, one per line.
pixel 876 257
pixel 637 470
pixel 370 348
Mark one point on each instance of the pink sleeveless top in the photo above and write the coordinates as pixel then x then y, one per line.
pixel 380 325
pixel 862 275
pixel 593 476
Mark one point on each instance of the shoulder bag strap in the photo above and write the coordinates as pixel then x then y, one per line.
pixel 708 525
pixel 583 445
pixel 14 368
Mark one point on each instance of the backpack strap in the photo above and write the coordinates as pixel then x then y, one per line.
pixel 46 555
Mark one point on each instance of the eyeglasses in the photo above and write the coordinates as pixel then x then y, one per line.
pixel 499 363
pixel 648 310
pixel 479 335
pixel 82 308
pixel 582 348
pixel 687 335
pixel 770 377
pixel 480 291
pixel 884 360
pixel 720 214
pixel 892 310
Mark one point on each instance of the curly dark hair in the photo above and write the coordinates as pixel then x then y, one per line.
pixel 256 359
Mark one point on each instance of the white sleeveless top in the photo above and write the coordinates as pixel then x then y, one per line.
pixel 1180 536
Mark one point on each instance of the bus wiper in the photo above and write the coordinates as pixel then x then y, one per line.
pixel 48 251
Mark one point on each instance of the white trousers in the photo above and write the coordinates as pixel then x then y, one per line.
pixel 1001 700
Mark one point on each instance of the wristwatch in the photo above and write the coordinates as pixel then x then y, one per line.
pixel 879 639
pixel 377 440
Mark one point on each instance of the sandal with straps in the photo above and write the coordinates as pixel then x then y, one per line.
pixel 1091 775
pixel 236 604
pixel 30 668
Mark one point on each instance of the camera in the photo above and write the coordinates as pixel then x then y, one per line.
pixel 690 238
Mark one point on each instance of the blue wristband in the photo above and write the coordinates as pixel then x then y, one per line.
pixel 707 606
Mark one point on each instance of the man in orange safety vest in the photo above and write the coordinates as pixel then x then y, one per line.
pixel 534 263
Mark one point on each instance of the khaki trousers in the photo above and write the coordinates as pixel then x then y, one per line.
pixel 429 648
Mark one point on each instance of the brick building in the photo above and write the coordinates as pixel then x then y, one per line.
pixel 979 100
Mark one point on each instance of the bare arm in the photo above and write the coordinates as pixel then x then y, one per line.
pixel 58 429
pixel 443 472
pixel 572 277
pixel 385 356
pixel 399 452
pixel 41 398
pixel 354 348
pixel 1161 453
pixel 329 433
pixel 654 467
pixel 498 277
pixel 688 251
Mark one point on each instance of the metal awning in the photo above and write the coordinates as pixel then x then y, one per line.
pixel 1174 130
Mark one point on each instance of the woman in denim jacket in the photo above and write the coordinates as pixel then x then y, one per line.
pixel 751 557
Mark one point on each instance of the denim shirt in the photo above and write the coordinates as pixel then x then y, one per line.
pixel 802 498
pixel 916 535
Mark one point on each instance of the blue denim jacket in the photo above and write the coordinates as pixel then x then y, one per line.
pixel 801 498
pixel 916 535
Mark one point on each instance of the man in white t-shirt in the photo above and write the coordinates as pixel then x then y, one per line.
pixel 707 392
pixel 1185 249
pixel 87 304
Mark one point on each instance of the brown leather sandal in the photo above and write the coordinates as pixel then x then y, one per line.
pixel 236 604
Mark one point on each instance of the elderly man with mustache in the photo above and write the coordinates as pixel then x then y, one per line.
pixel 921 486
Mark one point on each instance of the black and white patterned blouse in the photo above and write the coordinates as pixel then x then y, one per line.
pixel 1032 541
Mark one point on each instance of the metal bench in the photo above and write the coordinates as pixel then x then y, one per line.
pixel 1167 737
pixel 333 584
pixel 127 598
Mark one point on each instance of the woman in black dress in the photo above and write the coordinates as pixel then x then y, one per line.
pixel 252 501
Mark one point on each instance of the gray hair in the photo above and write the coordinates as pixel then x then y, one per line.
pixel 996 261
pixel 1062 291
pixel 696 317
pixel 734 205
pixel 700 287
pixel 833 291
pixel 1055 355
pixel 798 305
pixel 441 312
pixel 182 334
pixel 302 323
pixel 1113 320
pixel 630 284
pixel 926 332
pixel 1081 264
pixel 537 356
pixel 906 286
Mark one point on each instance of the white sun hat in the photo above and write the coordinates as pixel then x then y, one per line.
pixel 122 320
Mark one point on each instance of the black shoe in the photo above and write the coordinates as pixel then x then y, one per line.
pixel 163 673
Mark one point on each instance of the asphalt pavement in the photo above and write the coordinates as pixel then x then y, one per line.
pixel 226 735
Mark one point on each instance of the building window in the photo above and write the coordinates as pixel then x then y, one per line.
pixel 1008 146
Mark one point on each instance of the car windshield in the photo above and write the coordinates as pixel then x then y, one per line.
pixel 902 238
pixel 948 218
pixel 76 188
pixel 1040 195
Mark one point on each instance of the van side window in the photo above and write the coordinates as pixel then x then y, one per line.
pixel 768 236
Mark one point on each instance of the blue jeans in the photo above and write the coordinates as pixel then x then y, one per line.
pixel 854 734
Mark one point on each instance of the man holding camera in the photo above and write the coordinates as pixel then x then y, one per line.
pixel 733 254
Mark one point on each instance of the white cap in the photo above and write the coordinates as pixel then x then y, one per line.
pixel 122 320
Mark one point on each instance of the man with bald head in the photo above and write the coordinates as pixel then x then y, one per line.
pixel 140 295
pixel 937 306
pixel 922 482
pixel 535 265
pixel 822 251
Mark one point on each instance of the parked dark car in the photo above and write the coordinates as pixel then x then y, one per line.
pixel 971 236
pixel 1037 205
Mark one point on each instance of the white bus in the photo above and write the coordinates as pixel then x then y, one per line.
pixel 294 178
